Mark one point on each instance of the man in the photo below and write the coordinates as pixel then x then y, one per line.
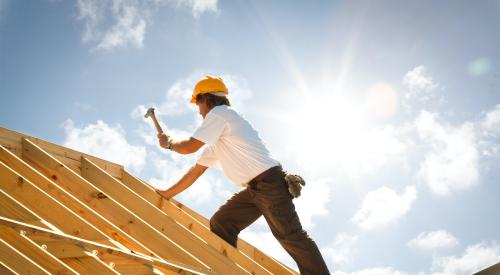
pixel 234 146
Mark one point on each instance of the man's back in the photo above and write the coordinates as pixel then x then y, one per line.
pixel 233 145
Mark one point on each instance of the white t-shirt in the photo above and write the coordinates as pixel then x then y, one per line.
pixel 233 145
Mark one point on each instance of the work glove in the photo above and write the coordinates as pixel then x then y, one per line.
pixel 295 183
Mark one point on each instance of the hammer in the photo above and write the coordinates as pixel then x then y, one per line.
pixel 151 113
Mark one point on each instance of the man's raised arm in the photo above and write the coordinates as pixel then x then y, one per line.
pixel 184 147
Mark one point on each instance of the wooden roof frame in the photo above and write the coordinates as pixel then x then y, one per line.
pixel 67 212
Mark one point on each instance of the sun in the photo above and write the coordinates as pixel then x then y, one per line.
pixel 333 130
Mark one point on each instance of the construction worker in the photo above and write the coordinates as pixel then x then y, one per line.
pixel 233 145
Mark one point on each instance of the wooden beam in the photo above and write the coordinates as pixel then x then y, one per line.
pixel 51 186
pixel 89 265
pixel 34 252
pixel 161 222
pixel 66 246
pixel 17 261
pixel 5 270
pixel 45 206
pixel 107 207
pixel 200 225
pixel 12 209
pixel 12 140
pixel 492 270
pixel 197 228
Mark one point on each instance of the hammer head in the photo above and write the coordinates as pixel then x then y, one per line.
pixel 151 111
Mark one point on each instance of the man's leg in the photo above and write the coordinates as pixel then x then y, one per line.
pixel 235 215
pixel 277 207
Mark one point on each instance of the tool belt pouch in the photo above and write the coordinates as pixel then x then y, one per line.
pixel 295 183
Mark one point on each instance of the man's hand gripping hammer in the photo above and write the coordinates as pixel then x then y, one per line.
pixel 151 113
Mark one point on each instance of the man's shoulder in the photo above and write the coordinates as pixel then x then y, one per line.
pixel 223 111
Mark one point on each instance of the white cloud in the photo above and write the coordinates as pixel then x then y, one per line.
pixel 266 242
pixel 119 23
pixel 373 271
pixel 370 151
pixel 147 131
pixel 342 250
pixel 356 146
pixel 384 206
pixel 129 27
pixel 178 96
pixel 491 122
pixel 170 167
pixel 453 160
pixel 92 13
pixel 490 132
pixel 200 6
pixel 106 142
pixel 474 259
pixel 313 201
pixel 239 90
pixel 420 85
pixel 433 240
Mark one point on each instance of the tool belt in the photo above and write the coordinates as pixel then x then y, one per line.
pixel 253 183
pixel 294 182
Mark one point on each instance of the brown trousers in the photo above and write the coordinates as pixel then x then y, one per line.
pixel 269 196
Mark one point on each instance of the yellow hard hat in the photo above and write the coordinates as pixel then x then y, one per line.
pixel 209 84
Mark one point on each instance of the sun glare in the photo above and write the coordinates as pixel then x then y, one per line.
pixel 337 131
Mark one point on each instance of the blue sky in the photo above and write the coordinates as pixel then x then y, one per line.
pixel 389 109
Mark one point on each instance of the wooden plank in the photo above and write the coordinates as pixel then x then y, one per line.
pixel 34 252
pixel 161 222
pixel 60 248
pixel 107 207
pixel 12 140
pixel 128 266
pixel 12 209
pixel 492 270
pixel 191 219
pixel 45 206
pixel 65 246
pixel 246 248
pixel 197 228
pixel 252 252
pixel 63 249
pixel 5 270
pixel 18 262
pixel 89 265
pixel 52 188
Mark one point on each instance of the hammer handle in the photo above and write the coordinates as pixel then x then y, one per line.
pixel 157 125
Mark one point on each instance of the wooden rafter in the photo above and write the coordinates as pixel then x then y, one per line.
pixel 107 207
pixel 88 215
pixel 45 206
pixel 51 186
pixel 199 225
pixel 63 246
pixel 160 221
